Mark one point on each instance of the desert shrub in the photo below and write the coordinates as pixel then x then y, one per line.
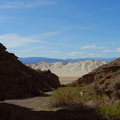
pixel 66 97
pixel 107 74
pixel 107 81
pixel 111 111
pixel 73 97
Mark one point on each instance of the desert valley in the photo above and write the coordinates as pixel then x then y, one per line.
pixel 34 87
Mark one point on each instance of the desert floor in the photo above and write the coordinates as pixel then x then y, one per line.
pixel 38 108
pixel 66 80
pixel 39 103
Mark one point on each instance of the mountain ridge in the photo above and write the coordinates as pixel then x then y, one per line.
pixel 68 69
pixel 33 60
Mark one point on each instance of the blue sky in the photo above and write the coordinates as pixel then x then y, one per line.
pixel 61 28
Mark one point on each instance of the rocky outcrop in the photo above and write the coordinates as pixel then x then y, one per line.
pixel 19 81
pixel 105 79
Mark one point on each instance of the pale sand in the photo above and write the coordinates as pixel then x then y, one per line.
pixel 66 80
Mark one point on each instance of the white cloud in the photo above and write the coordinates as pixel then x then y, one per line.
pixel 89 47
pixel 77 27
pixel 56 52
pixel 102 47
pixel 92 47
pixel 92 56
pixel 28 50
pixel 74 53
pixel 108 51
pixel 27 4
pixel 45 35
pixel 116 50
pixel 14 40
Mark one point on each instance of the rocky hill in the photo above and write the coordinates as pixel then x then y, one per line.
pixel 105 79
pixel 68 69
pixel 19 81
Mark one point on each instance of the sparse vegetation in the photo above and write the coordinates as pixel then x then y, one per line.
pixel 111 111
pixel 107 81
pixel 74 97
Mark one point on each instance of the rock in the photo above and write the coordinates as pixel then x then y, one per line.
pixel 105 79
pixel 2 48
pixel 69 69
pixel 19 81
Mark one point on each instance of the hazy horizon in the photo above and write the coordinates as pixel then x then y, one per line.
pixel 62 29
pixel 69 58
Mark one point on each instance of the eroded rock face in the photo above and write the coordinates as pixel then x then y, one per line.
pixel 17 80
pixel 69 69
pixel 105 79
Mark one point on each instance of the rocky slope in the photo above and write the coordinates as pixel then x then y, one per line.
pixel 18 81
pixel 105 79
pixel 64 69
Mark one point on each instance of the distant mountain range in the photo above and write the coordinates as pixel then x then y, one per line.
pixel 33 60
pixel 69 69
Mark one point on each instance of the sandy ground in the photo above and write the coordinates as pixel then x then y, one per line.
pixel 39 103
pixel 38 108
pixel 35 104
pixel 66 80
